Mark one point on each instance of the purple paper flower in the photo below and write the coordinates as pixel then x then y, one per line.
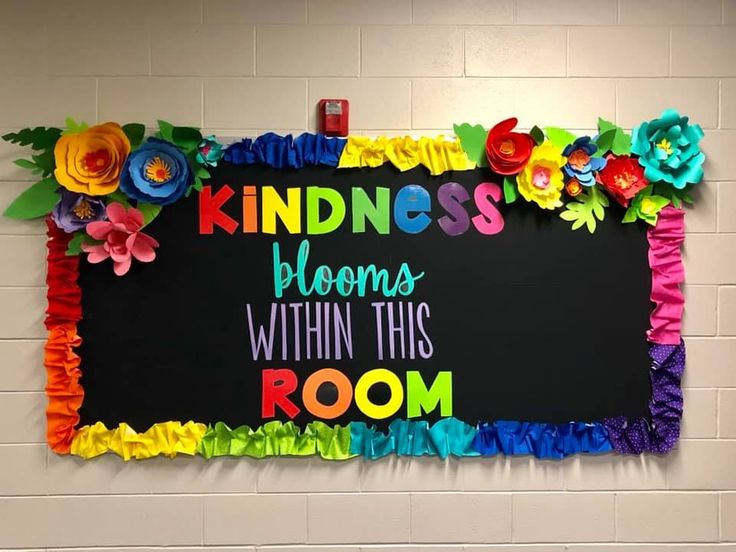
pixel 75 211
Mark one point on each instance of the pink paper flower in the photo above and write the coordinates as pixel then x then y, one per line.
pixel 122 239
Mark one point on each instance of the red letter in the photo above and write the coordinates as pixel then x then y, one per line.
pixel 277 384
pixel 209 210
pixel 490 221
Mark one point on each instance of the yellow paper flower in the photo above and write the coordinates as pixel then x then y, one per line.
pixel 90 162
pixel 541 179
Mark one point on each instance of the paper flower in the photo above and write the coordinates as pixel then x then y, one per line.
pixel 669 149
pixel 581 164
pixel 90 162
pixel 157 173
pixel 541 181
pixel 623 178
pixel 75 211
pixel 573 187
pixel 646 207
pixel 508 151
pixel 122 239
pixel 209 152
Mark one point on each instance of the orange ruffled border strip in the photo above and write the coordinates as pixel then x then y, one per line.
pixel 65 394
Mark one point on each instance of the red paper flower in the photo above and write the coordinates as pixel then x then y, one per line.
pixel 508 151
pixel 122 239
pixel 623 178
pixel 573 187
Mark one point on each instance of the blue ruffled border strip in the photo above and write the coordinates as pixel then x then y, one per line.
pixel 281 152
pixel 542 440
pixel 451 436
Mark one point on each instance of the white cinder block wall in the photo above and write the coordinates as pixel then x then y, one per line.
pixel 242 67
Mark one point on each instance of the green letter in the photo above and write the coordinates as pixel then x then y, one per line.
pixel 418 398
pixel 377 213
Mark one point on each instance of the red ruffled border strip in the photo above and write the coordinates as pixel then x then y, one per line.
pixel 65 394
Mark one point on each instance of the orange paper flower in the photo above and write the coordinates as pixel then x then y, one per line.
pixel 90 162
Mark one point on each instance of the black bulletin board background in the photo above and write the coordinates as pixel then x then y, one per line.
pixel 537 323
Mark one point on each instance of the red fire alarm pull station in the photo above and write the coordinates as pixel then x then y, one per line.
pixel 334 117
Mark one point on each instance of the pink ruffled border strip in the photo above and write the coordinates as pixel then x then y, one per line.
pixel 668 273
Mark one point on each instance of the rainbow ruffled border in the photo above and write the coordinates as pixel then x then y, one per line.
pixel 449 436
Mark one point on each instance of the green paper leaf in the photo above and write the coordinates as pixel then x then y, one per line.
pixel 687 198
pixel 605 142
pixel 75 244
pixel 25 164
pixel 630 215
pixel 537 134
pixel 135 133
pixel 201 172
pixel 621 143
pixel 149 211
pixel 39 137
pixel 36 201
pixel 186 138
pixel 119 197
pixel 559 136
pixel 510 192
pixel 605 126
pixel 197 184
pixel 473 141
pixel 73 127
pixel 585 209
pixel 166 130
pixel 45 162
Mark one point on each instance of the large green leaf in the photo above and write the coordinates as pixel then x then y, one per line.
pixel 585 209
pixel 510 191
pixel 187 138
pixel 36 201
pixel 473 141
pixel 149 211
pixel 559 136
pixel 135 133
pixel 119 197
pixel 165 130
pixel 39 137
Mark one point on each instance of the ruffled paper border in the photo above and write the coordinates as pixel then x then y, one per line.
pixel 64 393
pixel 447 437
pixel 403 152
pixel 277 439
pixel 282 152
pixel 660 431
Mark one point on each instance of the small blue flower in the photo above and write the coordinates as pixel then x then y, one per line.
pixel 157 172
pixel 581 165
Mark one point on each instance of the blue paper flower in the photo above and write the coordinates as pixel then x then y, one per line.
pixel 157 172
pixel 581 165
pixel 669 150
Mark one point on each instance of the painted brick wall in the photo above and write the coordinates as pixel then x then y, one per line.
pixel 242 67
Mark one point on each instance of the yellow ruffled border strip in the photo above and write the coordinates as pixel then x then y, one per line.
pixel 165 438
pixel 436 154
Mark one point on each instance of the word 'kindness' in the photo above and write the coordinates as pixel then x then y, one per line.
pixel 323 210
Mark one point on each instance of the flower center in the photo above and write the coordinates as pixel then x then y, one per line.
pixel 647 206
pixel 578 159
pixel 95 160
pixel 666 146
pixel 573 187
pixel 624 181
pixel 205 149
pixel 83 210
pixel 507 147
pixel 158 171
pixel 540 178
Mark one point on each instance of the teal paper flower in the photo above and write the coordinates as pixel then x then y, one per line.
pixel 669 150
pixel 209 152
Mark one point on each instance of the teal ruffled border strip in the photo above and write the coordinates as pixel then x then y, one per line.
pixel 448 436
pixel 277 439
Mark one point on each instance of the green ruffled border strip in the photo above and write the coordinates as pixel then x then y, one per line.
pixel 277 439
